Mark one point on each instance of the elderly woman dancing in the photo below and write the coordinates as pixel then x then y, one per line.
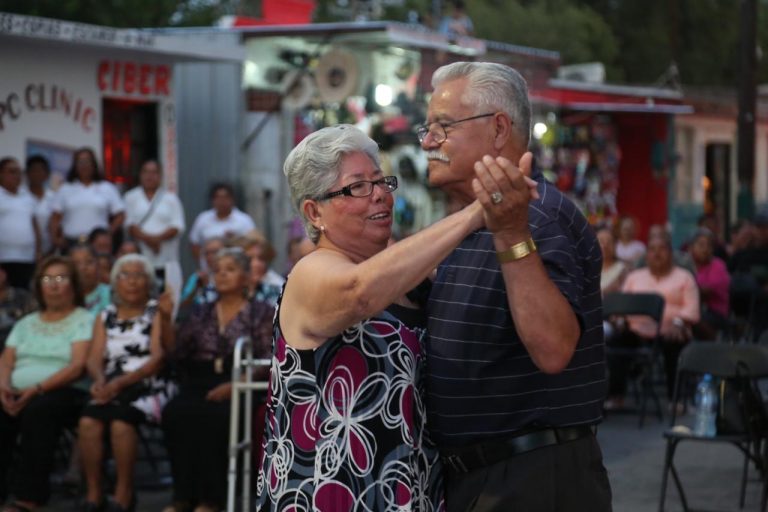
pixel 346 425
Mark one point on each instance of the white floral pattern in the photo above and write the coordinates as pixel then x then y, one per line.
pixel 345 426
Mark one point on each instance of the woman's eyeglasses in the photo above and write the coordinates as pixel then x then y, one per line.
pixel 51 280
pixel 363 188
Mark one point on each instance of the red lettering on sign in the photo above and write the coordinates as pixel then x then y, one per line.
pixel 129 84
pixel 115 76
pixel 133 78
pixel 101 75
pixel 145 72
pixel 88 115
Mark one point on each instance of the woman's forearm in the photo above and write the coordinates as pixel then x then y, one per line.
pixel 344 293
pixel 151 367
pixel 63 377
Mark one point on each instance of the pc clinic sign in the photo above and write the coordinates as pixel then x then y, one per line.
pixel 46 97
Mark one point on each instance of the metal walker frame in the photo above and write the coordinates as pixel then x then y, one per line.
pixel 242 384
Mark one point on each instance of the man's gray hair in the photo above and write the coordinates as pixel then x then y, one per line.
pixel 313 166
pixel 492 87
pixel 147 267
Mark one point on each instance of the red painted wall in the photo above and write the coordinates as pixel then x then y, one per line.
pixel 642 190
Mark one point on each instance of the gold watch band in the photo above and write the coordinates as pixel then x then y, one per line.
pixel 517 251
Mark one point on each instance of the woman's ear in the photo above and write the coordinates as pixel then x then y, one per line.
pixel 311 210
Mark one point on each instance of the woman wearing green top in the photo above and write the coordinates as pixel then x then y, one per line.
pixel 44 355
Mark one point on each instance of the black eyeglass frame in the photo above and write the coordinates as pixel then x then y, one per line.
pixel 423 130
pixel 389 181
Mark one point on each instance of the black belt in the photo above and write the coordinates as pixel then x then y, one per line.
pixel 469 458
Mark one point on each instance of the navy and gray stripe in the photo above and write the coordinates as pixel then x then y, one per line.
pixel 481 381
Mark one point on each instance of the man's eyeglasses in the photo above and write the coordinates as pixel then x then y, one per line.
pixel 51 280
pixel 363 188
pixel 438 128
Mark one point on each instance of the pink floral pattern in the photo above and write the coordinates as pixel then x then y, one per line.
pixel 345 427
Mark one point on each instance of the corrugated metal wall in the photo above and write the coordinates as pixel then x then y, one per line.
pixel 209 110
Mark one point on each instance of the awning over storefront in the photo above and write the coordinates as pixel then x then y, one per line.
pixel 595 97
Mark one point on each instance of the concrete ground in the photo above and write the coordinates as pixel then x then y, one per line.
pixel 634 459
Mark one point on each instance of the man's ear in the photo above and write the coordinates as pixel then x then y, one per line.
pixel 503 130
pixel 311 210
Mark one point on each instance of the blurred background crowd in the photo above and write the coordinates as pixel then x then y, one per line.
pixel 99 332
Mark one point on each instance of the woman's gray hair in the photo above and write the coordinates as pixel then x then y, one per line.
pixel 238 255
pixel 312 167
pixel 122 261
pixel 492 86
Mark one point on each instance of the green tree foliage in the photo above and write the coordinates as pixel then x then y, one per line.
pixel 700 36
pixel 576 31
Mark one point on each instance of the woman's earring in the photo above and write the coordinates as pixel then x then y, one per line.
pixel 322 229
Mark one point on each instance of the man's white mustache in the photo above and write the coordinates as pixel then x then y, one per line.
pixel 437 155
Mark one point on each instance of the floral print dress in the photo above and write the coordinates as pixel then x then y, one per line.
pixel 127 350
pixel 345 425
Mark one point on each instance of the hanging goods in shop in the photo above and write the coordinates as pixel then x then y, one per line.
pixel 297 89
pixel 337 75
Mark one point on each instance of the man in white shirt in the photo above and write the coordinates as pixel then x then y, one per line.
pixel 224 220
pixel 154 218
pixel 19 236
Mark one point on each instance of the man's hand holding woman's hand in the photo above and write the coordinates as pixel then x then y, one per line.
pixel 504 190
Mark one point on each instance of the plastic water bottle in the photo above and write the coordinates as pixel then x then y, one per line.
pixel 706 408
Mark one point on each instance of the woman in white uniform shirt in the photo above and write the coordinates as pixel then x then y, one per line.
pixel 19 237
pixel 85 202
pixel 38 171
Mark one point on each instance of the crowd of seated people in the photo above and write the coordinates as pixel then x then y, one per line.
pixel 91 342
pixel 706 284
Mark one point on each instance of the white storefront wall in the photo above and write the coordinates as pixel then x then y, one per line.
pixel 694 134
pixel 51 99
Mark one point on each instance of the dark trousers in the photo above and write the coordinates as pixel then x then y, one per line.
pixel 568 477
pixel 19 274
pixel 197 437
pixel 38 427
pixel 620 365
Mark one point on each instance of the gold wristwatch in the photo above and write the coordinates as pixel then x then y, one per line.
pixel 517 251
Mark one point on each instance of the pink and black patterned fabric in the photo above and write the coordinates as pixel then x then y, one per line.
pixel 345 425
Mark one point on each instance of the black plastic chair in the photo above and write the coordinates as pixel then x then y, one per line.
pixel 643 357
pixel 739 365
